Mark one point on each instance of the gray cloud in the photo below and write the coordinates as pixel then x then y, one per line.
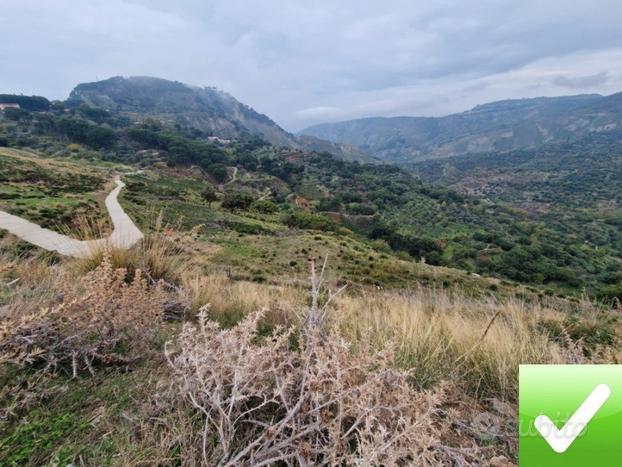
pixel 302 62
pixel 582 82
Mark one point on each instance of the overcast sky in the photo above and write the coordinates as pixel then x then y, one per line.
pixel 309 61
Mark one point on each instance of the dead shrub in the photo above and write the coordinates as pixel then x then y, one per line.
pixel 263 403
pixel 296 397
pixel 101 320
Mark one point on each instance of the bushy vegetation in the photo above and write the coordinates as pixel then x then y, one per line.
pixel 234 200
pixel 561 246
pixel 180 149
pixel 320 403
pixel 83 132
pixel 569 192
pixel 305 220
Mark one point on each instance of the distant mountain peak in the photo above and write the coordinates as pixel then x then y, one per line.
pixel 207 109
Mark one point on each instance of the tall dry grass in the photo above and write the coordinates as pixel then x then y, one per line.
pixel 477 344
pixel 158 254
pixel 230 301
pixel 26 282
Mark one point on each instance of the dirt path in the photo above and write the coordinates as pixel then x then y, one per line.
pixel 234 176
pixel 124 235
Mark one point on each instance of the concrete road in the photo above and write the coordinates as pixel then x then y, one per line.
pixel 124 235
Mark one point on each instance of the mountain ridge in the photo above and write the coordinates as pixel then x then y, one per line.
pixel 207 109
pixel 496 126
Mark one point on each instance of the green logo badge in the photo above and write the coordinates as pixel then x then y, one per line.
pixel 570 415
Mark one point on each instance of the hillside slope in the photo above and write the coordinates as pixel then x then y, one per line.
pixel 316 191
pixel 584 173
pixel 208 110
pixel 498 126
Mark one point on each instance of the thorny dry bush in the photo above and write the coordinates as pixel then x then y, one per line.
pixel 297 397
pixel 102 320
pixel 264 403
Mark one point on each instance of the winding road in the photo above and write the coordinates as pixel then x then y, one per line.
pixel 124 235
pixel 233 178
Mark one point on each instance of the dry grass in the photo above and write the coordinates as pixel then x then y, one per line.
pixel 159 254
pixel 477 344
pixel 230 301
pixel 395 378
pixel 101 320
pixel 26 282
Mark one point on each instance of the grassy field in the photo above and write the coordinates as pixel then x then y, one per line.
pixel 50 192
pixel 256 246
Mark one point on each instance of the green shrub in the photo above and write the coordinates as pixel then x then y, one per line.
pixel 235 200
pixel 612 292
pixel 264 206
pixel 307 220
pixel 361 209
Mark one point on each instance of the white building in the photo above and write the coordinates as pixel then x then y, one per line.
pixel 8 106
